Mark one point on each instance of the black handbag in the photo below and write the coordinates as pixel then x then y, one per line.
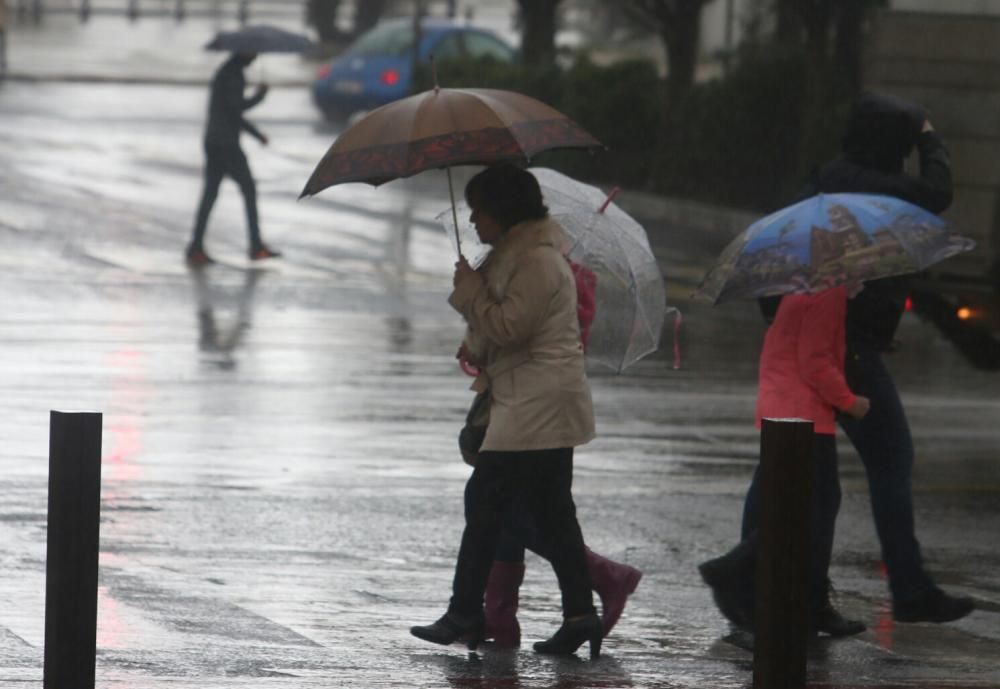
pixel 470 438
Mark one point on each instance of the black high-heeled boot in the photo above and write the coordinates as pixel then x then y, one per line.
pixel 571 636
pixel 453 627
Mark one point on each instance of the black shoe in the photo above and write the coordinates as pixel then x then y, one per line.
pixel 828 620
pixel 453 627
pixel 732 589
pixel 571 635
pixel 933 606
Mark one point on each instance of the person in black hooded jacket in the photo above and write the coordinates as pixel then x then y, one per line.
pixel 881 133
pixel 224 157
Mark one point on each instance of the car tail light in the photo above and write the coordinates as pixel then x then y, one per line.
pixel 323 72
pixel 908 306
pixel 389 77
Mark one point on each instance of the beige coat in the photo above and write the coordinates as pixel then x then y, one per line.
pixel 524 334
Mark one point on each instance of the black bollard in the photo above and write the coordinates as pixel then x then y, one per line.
pixel 72 550
pixel 781 624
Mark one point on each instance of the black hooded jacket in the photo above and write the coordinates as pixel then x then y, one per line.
pixel 873 315
pixel 227 103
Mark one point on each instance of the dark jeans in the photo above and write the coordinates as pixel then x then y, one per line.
pixel 517 531
pixel 538 483
pixel 222 161
pixel 823 515
pixel 882 439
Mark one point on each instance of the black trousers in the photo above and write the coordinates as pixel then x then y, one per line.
pixel 538 483
pixel 883 441
pixel 220 162
pixel 825 505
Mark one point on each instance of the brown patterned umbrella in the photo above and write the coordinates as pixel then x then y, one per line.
pixel 444 127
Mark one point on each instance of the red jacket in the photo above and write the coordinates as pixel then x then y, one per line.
pixel 802 364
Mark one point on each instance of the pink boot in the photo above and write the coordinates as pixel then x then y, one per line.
pixel 613 583
pixel 501 603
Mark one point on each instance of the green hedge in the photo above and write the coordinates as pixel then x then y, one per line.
pixel 745 141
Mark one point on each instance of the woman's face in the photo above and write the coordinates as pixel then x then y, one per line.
pixel 487 227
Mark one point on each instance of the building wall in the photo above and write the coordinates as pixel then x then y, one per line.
pixel 950 64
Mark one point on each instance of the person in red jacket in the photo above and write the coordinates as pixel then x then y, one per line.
pixel 801 375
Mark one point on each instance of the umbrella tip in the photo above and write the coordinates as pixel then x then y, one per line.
pixel 434 73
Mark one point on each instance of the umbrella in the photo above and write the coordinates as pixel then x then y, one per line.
pixel 828 240
pixel 260 39
pixel 444 127
pixel 630 296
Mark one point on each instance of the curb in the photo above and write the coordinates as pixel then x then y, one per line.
pixel 27 78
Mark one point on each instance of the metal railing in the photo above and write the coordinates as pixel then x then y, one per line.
pixel 178 10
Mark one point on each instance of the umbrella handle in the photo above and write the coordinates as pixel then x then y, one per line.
pixel 607 201
pixel 454 213
pixel 678 319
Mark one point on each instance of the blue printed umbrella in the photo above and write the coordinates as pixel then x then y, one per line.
pixel 829 240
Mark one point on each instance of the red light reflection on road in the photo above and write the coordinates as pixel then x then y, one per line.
pixel 110 626
pixel 884 626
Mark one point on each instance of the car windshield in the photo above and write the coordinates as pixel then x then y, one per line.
pixel 393 40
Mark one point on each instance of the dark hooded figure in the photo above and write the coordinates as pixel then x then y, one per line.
pixel 881 132
pixel 224 157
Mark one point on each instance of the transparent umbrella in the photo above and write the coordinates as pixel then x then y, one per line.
pixel 630 294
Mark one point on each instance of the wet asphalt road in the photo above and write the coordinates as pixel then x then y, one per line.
pixel 281 488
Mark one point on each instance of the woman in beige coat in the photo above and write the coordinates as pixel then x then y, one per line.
pixel 522 307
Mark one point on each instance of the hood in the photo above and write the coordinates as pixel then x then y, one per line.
pixel 882 130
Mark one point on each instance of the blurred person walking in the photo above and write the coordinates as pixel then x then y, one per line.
pixel 882 131
pixel 523 306
pixel 224 157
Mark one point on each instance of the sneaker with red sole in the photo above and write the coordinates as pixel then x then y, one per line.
pixel 264 252
pixel 198 257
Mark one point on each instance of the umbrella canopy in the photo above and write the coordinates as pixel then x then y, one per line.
pixel 444 127
pixel 260 39
pixel 828 240
pixel 630 296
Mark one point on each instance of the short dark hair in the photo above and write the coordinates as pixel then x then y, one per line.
pixel 508 193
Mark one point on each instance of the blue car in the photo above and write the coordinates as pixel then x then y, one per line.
pixel 377 68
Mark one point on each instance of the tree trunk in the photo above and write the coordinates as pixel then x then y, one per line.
pixel 322 15
pixel 538 32
pixel 366 15
pixel 788 22
pixel 681 41
pixel 849 41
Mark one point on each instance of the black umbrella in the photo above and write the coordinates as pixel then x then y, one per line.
pixel 260 39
